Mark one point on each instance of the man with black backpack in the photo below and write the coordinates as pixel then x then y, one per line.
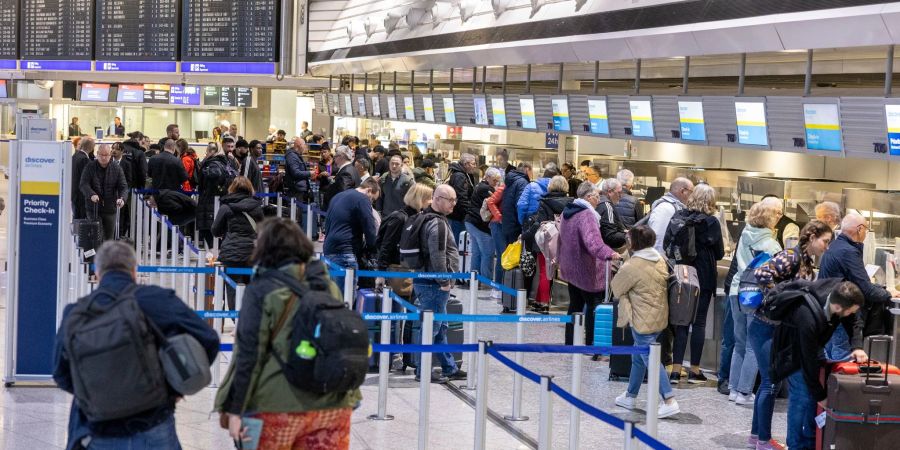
pixel 107 357
pixel 217 172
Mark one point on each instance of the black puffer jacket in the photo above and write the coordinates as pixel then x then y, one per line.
pixel 239 232
pixel 206 203
pixel 473 214
pixel 464 185
pixel 107 183
pixel 134 153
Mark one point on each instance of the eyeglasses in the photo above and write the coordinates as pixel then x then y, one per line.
pixel 451 200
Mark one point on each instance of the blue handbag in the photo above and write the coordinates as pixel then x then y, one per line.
pixel 750 293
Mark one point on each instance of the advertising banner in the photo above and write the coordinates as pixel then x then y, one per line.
pixel 691 118
pixel 641 118
pixel 599 121
pixel 751 123
pixel 823 127
pixel 560 107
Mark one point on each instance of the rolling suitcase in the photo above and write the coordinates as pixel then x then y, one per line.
pixel 464 248
pixel 863 410
pixel 455 336
pixel 369 301
pixel 515 279
pixel 88 234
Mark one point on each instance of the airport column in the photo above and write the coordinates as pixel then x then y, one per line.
pixel 38 251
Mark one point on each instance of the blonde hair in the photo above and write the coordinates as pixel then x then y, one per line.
pixel 558 184
pixel 418 196
pixel 703 199
pixel 765 214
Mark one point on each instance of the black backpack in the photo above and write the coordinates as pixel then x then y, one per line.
pixel 338 335
pixel 680 241
pixel 217 176
pixel 412 255
pixel 113 357
pixel 389 233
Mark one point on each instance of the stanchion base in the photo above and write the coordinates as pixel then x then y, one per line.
pixel 375 417
pixel 466 388
pixel 515 419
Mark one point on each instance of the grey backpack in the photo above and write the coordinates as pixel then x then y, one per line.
pixel 684 294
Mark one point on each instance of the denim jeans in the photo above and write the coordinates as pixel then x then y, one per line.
pixel 743 360
pixel 759 335
pixel 160 437
pixel 482 250
pixel 801 416
pixel 345 260
pixel 639 368
pixel 457 226
pixel 432 298
pixel 727 343
pixel 838 347
pixel 499 247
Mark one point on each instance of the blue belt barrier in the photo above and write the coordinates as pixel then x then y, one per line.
pixel 175 269
pixel 585 349
pixel 228 279
pixel 239 270
pixel 335 269
pixel 500 287
pixel 394 317
pixel 410 348
pixel 497 318
pixel 226 347
pixel 267 194
pixel 402 302
pixel 413 275
pixel 217 314
pixel 156 191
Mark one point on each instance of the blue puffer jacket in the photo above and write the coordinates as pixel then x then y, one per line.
pixel 515 181
pixel 531 198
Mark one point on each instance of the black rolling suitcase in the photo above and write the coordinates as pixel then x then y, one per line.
pixel 515 279
pixel 620 365
pixel 88 234
pixel 455 336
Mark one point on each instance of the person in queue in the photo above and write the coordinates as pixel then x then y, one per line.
pixel 587 256
pixel 255 385
pixel 363 168
pixel 424 174
pixel 104 186
pixel 758 237
pixel 350 227
pixel 502 158
pixel 550 207
pixel 844 260
pixel 611 226
pixel 134 151
pixel 116 267
pixel 495 206
pixel 166 170
pixel 516 181
pixel 568 171
pixel 630 209
pixel 699 209
pixel 345 177
pixel 247 166
pixel 479 231
pixel 592 174
pixel 214 181
pixel 118 158
pixel 640 286
pixel 433 295
pixel 394 185
pixel 462 180
pixel 191 165
pixel 80 160
pixel 665 207
pixel 528 201
pixel 172 132
pixel 240 213
pixel 297 175
pixel 796 263
pixel 830 213
pixel 378 155
pixel 787 231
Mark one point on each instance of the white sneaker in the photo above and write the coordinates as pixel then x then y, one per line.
pixel 667 409
pixel 732 396
pixel 496 295
pixel 625 401
pixel 742 399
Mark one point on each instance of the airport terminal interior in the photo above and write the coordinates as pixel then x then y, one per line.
pixel 784 108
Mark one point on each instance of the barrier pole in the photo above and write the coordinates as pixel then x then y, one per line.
pixel 279 206
pixel 133 218
pixel 86 286
pixel 163 248
pixel 215 241
pixel 238 300
pixel 293 209
pixel 200 283
pixel 577 360
pixel 139 233
pixel 384 358
pixel 147 232
pixel 629 434
pixel 425 378
pixel 481 396
pixel 653 388
pixel 545 417
pixel 173 259
pixel 471 328
pixel 186 279
pixel 265 199
pixel 76 270
pixel 309 220
pixel 152 246
pixel 349 279
pixel 519 357
pixel 218 292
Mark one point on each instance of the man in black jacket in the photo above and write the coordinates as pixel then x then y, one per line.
pixel 134 153
pixel 172 132
pixel 394 185
pixel 166 170
pixel 611 227
pixel 515 181
pixel 462 180
pixel 297 176
pixel 797 351
pixel 116 267
pixel 80 160
pixel 103 185
pixel 629 207
pixel 247 166
pixel 345 175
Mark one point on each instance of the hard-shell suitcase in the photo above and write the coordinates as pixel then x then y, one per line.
pixel 369 301
pixel 464 248
pixel 604 317
pixel 863 410
pixel 620 365
pixel 515 279
pixel 455 336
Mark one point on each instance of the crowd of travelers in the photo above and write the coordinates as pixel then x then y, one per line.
pixel 578 236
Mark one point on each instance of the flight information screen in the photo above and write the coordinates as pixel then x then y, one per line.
pixel 56 30
pixel 228 31
pixel 8 41
pixel 137 30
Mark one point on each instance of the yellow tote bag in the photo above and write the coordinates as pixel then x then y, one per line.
pixel 511 256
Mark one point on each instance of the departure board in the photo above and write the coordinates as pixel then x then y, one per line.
pixel 136 30
pixel 229 36
pixel 8 17
pixel 56 30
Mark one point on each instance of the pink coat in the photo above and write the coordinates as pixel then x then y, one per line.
pixel 583 254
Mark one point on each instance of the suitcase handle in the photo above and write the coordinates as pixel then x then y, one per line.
pixel 876 385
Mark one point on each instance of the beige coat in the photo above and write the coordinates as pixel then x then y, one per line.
pixel 640 286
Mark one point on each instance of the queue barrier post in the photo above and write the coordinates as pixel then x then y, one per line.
pixel 424 377
pixel 238 300
pixel 77 270
pixel 138 233
pixel 545 416
pixel 200 283
pixel 309 220
pixel 153 241
pixel 132 219
pixel 481 396
pixel 173 257
pixel 279 206
pixel 516 415
pixel 349 281
pixel 186 262
pixel 629 431
pixel 653 388
pixel 293 209
pixel 215 241
pixel 575 413
pixel 384 358
pixel 218 292
pixel 471 328
pixel 164 248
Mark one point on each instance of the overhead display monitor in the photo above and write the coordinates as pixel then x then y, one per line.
pixel 823 127
pixel 376 106
pixel 751 123
pixel 56 35
pixel 560 107
pixel 409 113
pixel 211 95
pixel 480 105
pixel 348 104
pixel 184 95
pixel 499 111
pixel 526 105
pixel 641 118
pixel 449 110
pixel 333 104
pixel 229 36
pixel 94 92
pixel 243 97
pixel 130 93
pixel 597 116
pixel 428 107
pixel 361 105
pixel 893 126
pixel 136 35
pixel 4 91
pixel 229 96
pixel 156 93
pixel 691 118
pixel 392 107
pixel 8 39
